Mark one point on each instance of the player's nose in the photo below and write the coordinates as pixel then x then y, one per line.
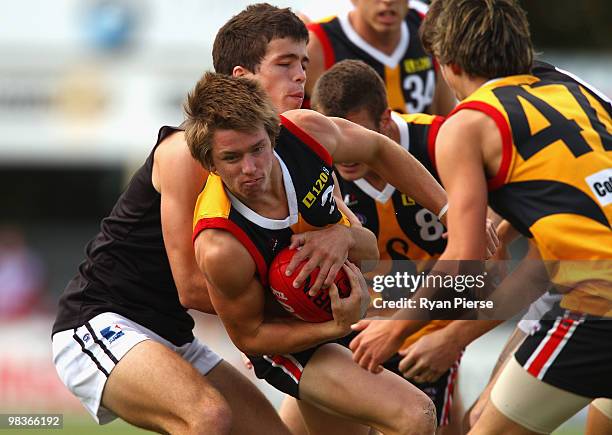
pixel 248 165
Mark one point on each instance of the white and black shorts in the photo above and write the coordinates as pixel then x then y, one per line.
pixel 85 356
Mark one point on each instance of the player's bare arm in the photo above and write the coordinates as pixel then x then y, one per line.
pixel 180 177
pixel 349 142
pixel 460 156
pixel 239 300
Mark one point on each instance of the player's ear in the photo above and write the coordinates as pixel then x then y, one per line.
pixel 240 71
pixel 210 167
pixel 456 69
pixel 385 120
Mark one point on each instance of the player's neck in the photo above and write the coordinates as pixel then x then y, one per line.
pixel 385 42
pixel 475 83
pixel 468 85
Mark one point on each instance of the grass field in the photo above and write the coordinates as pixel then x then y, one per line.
pixel 85 426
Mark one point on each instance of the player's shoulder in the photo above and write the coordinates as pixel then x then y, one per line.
pixel 467 122
pixel 310 122
pixel 175 138
pixel 174 165
pixel 313 128
pixel 173 146
pixel 303 118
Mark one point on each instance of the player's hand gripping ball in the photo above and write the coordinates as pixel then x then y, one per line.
pixel 297 300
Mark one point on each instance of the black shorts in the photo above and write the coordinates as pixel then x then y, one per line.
pixel 571 351
pixel 440 392
pixel 284 372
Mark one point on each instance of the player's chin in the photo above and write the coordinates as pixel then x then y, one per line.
pixel 350 172
pixel 252 188
pixel 293 102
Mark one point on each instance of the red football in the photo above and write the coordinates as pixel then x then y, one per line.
pixel 296 300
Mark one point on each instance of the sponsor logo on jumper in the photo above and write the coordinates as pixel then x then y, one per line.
pixel 601 186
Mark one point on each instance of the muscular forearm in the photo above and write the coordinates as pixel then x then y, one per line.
pixel 407 174
pixel 364 246
pixel 285 335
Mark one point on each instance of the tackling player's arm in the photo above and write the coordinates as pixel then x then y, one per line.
pixel 349 142
pixel 239 300
pixel 178 177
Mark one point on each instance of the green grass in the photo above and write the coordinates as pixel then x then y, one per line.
pixel 83 426
pixel 86 426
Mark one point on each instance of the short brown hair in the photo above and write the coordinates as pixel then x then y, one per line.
pixel 486 38
pixel 350 86
pixel 243 40
pixel 222 102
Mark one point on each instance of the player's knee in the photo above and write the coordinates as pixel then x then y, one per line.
pixel 208 415
pixel 418 419
pixel 215 414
